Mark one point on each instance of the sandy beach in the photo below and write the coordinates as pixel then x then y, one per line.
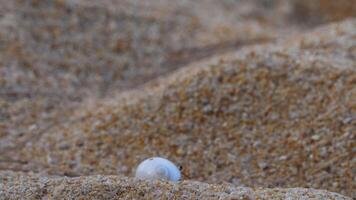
pixel 254 99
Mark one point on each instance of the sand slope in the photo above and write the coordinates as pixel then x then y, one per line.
pixel 117 187
pixel 89 88
pixel 274 115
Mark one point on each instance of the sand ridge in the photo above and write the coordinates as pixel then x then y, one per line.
pixel 253 104
pixel 260 120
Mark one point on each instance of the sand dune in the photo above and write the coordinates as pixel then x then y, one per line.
pixel 116 187
pixel 261 99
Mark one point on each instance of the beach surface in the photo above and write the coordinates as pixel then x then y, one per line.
pixel 254 99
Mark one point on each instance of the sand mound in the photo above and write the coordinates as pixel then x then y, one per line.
pixel 273 115
pixel 280 113
pixel 55 53
pixel 116 187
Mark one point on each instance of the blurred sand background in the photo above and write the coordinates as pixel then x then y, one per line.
pixel 245 95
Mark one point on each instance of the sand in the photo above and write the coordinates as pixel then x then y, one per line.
pixel 117 187
pixel 259 96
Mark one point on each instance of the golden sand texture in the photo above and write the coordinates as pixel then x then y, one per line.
pixel 55 53
pixel 277 115
pixel 117 187
pixel 90 88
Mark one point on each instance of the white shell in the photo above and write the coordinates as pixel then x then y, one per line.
pixel 158 168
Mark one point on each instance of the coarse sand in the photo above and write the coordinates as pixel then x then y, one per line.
pixel 254 99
